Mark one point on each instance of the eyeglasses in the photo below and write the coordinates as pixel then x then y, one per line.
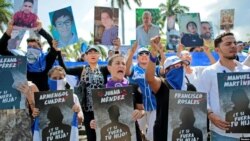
pixel 141 53
pixel 66 23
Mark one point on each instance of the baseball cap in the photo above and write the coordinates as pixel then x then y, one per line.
pixel 173 60
pixel 142 49
pixel 93 48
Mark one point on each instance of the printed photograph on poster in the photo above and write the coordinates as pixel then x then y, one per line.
pixel 106 25
pixel 171 22
pixel 187 111
pixel 226 18
pixel 147 25
pixel 189 24
pixel 25 14
pixel 63 26
pixel 55 115
pixel 14 121
pixel 207 32
pixel 173 37
pixel 113 108
pixel 234 95
pixel 13 72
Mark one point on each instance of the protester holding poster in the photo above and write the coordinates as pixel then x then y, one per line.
pixel 64 30
pixel 174 79
pixel 137 75
pixel 117 67
pixel 38 62
pixel 227 50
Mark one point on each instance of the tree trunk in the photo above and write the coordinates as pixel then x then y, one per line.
pixel 123 32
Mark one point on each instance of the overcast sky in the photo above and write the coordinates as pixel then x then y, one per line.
pixel 209 10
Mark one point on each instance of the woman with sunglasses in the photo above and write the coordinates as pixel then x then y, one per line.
pixel 137 75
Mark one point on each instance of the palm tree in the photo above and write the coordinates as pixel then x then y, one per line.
pixel 171 8
pixel 121 4
pixel 5 13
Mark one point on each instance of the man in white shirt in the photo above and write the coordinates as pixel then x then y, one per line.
pixel 225 45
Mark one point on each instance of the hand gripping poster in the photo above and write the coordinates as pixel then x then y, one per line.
pixel 56 115
pixel 113 108
pixel 13 74
pixel 187 117
pixel 234 94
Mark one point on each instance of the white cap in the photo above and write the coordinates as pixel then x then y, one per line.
pixel 142 49
pixel 173 60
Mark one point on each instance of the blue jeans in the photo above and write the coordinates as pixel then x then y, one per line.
pixel 217 137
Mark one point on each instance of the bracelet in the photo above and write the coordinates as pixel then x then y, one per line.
pixel 152 59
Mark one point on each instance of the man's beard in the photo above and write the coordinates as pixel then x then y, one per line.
pixel 206 36
pixel 230 57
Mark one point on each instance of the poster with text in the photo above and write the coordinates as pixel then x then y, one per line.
pixel 13 73
pixel 234 94
pixel 226 18
pixel 15 125
pixel 147 25
pixel 189 24
pixel 113 108
pixel 56 114
pixel 106 25
pixel 187 116
pixel 63 27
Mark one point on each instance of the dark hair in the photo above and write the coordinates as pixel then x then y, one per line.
pixel 112 58
pixel 205 22
pixel 31 1
pixel 108 11
pixel 218 39
pixel 190 23
pixel 34 40
pixel 59 13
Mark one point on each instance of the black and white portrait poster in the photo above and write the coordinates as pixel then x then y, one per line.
pixel 56 115
pixel 113 109
pixel 234 93
pixel 13 73
pixel 187 116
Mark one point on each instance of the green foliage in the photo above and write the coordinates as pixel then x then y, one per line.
pixel 155 13
pixel 172 7
pixel 5 13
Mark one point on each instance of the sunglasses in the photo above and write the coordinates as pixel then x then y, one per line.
pixel 141 53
